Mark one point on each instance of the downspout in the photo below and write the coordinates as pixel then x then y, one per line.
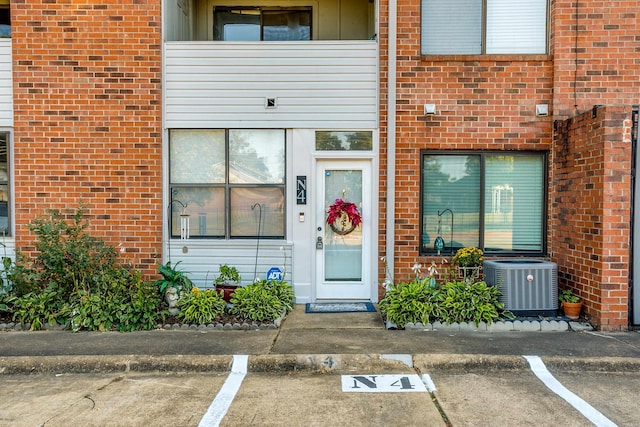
pixel 391 138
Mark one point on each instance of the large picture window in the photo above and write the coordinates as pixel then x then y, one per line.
pixel 230 183
pixel 473 27
pixel 493 201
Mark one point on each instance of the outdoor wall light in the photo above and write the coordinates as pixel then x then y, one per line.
pixel 430 109
pixel 542 110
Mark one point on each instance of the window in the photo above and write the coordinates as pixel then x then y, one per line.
pixel 473 27
pixel 344 141
pixel 5 20
pixel 261 23
pixel 230 183
pixel 495 201
pixel 5 228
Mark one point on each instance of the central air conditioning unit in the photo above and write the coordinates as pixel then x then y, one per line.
pixel 529 287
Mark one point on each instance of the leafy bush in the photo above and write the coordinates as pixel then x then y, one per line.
pixel 38 308
pixel 476 302
pixel 75 279
pixel 409 302
pixel 416 301
pixel 125 304
pixel 258 302
pixel 282 290
pixel 201 307
pixel 68 258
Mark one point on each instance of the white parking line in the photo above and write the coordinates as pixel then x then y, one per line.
pixel 543 374
pixel 220 405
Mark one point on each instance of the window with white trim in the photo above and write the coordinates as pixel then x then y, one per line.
pixel 228 183
pixel 491 200
pixel 475 27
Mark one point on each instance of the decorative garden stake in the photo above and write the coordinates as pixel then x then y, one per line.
pixel 438 244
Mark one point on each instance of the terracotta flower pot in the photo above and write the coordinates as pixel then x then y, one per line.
pixel 572 309
pixel 227 290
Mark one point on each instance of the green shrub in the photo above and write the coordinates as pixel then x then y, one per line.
pixel 257 302
pixel 68 258
pixel 75 279
pixel 201 307
pixel 409 302
pixel 126 304
pixel 38 308
pixel 452 302
pixel 282 290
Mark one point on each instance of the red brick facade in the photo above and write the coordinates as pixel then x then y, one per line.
pixel 87 118
pixel 590 211
pixel 88 127
pixel 487 102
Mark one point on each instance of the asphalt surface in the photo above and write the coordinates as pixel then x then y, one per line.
pixel 316 342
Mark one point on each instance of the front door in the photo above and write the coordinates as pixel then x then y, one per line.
pixel 343 256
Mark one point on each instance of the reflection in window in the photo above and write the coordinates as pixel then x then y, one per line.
pixel 230 183
pixel 497 201
pixel 261 23
pixel 5 21
pixel 344 141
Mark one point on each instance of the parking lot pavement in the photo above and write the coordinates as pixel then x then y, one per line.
pixel 485 395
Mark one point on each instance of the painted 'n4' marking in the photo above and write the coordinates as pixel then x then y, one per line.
pixel 382 384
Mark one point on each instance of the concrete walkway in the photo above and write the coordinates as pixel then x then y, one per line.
pixel 309 342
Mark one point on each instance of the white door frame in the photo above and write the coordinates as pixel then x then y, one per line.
pixel 365 288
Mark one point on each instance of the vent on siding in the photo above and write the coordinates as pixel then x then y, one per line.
pixel 528 286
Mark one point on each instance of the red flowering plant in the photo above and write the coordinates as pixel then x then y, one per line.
pixel 343 217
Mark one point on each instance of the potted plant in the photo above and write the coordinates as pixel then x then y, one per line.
pixel 228 281
pixel 571 304
pixel 468 262
pixel 173 283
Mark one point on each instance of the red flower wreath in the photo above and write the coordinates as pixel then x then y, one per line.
pixel 343 217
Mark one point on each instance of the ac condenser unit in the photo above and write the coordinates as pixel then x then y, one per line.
pixel 529 287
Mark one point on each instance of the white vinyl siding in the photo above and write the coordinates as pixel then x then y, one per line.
pixel 205 257
pixel 6 84
pixel 319 84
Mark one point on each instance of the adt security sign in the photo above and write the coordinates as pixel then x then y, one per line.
pixel 274 273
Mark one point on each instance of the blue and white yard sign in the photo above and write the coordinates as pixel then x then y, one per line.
pixel 274 273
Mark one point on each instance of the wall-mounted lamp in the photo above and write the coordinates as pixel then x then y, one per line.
pixel 430 109
pixel 542 110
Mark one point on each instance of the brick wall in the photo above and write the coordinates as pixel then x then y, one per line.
pixel 596 51
pixel 87 101
pixel 487 103
pixel 483 103
pixel 590 211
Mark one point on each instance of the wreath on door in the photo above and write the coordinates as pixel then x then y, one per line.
pixel 343 217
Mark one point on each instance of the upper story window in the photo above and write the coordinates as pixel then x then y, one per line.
pixel 494 201
pixel 475 27
pixel 261 23
pixel 230 183
pixel 5 228
pixel 5 20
